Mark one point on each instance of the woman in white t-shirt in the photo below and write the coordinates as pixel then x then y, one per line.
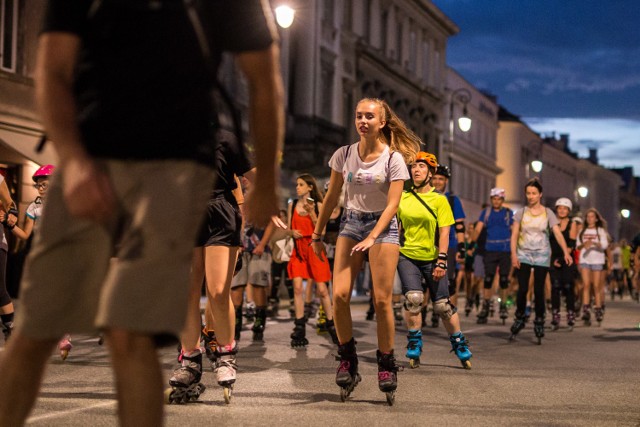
pixel 592 243
pixel 373 171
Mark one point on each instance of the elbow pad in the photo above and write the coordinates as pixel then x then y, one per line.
pixel 459 227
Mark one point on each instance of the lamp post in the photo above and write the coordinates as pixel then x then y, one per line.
pixel 462 95
pixel 285 15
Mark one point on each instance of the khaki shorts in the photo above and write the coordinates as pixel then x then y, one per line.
pixel 256 270
pixel 81 277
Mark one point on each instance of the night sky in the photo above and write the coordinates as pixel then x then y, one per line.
pixel 564 66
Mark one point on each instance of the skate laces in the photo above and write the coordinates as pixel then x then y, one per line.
pixel 385 375
pixel 344 366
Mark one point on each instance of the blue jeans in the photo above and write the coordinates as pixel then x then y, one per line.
pixel 357 226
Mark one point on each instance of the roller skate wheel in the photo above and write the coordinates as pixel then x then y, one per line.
pixel 344 394
pixel 466 364
pixel 228 392
pixel 414 363
pixel 391 397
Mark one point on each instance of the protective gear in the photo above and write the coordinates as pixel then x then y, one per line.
pixel 460 228
pixel 413 301
pixel 497 192
pixel 563 201
pixel 444 309
pixel 427 158
pixel 504 282
pixel 43 172
pixel 444 171
pixel 488 280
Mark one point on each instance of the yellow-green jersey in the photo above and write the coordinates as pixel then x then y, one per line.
pixel 419 225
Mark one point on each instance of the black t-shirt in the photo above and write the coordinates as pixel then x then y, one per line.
pixel 231 159
pixel 142 85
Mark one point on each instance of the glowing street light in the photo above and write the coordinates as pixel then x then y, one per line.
pixel 284 15
pixel 536 165
pixel 583 191
pixel 462 95
pixel 626 213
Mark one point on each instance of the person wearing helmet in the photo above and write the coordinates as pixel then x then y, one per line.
pixel 456 250
pixel 562 275
pixel 34 210
pixel 497 220
pixel 8 220
pixel 426 219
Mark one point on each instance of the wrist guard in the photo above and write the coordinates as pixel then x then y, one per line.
pixel 442 265
pixel 461 251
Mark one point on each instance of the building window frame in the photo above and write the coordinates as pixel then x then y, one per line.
pixel 8 35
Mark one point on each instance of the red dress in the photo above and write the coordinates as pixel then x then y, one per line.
pixel 304 262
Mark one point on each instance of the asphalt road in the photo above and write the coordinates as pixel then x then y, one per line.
pixel 590 376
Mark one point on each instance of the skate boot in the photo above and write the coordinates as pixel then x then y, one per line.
pixel 65 346
pixel 308 310
pixel 468 306
pixel 185 382
pixel 517 326
pixel 586 314
pixel 492 310
pixel 571 320
pixel 538 328
pixel 555 321
pixel 210 346
pixel 274 305
pixel 527 313
pixel 484 313
pixel 370 314
pixel 504 313
pixel 476 301
pixel 292 309
pixel 347 376
pixel 599 314
pixel 259 324
pixel 298 336
pixel 226 368
pixel 7 328
pixel 435 320
pixel 321 324
pixel 250 312
pixel 238 328
pixel 397 313
pixel 460 346
pixel 331 329
pixel 387 375
pixel 414 348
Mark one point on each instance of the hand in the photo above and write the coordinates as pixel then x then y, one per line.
pixel 258 250
pixel 568 258
pixel 278 222
pixel 260 205
pixel 364 245
pixel 87 190
pixel 296 234
pixel 308 206
pixel 319 250
pixel 12 220
pixel 438 273
pixel 515 261
pixel 3 215
pixel 556 263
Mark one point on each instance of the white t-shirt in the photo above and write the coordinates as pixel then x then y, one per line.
pixel 616 256
pixel 594 255
pixel 367 184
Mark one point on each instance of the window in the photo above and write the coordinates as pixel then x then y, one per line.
pixel 425 62
pixel 348 14
pixel 8 34
pixel 366 22
pixel 413 51
pixel 399 32
pixel 326 80
pixel 384 28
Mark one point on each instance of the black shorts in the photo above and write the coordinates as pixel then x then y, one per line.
pixel 222 225
pixel 494 260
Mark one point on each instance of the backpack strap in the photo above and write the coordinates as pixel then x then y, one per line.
pixel 425 205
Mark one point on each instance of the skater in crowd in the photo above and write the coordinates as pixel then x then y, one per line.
pixel 531 251
pixel 456 236
pixel 373 171
pixel 426 218
pixel 214 261
pixel 279 243
pixel 562 274
pixel 592 243
pixel 497 220
pixel 131 130
pixel 304 264
pixel 8 221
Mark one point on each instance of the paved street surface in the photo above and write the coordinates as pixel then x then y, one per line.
pixel 590 376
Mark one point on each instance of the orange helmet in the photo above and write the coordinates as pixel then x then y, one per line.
pixel 427 158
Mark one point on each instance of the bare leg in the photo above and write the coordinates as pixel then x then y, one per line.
pixel 346 266
pixel 322 290
pixel 190 336
pixel 298 297
pixel 22 365
pixel 384 260
pixel 220 263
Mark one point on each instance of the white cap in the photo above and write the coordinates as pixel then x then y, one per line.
pixel 563 201
pixel 497 192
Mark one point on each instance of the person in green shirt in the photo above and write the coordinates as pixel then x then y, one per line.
pixel 426 218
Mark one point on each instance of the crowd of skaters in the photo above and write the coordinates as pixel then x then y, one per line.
pixel 386 206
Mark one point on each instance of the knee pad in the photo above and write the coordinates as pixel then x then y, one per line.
pixel 444 308
pixel 413 301
pixel 504 282
pixel 488 281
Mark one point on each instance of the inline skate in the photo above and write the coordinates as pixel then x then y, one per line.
pixel 538 328
pixel 298 336
pixel 414 348
pixel 492 310
pixel 259 324
pixel 484 313
pixel 571 320
pixel 504 312
pixel 250 312
pixel 7 328
pixel 527 313
pixel 321 324
pixel 65 346
pixel 599 315
pixel 210 346
pixel 274 305
pixel 387 375
pixel 460 346
pixel 555 320
pixel 468 306
pixel 331 329
pixel 185 382
pixel 347 376
pixel 238 328
pixel 517 326
pixel 397 313
pixel 586 314
pixel 226 368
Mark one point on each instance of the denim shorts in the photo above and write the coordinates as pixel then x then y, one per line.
pixel 357 226
pixel 592 267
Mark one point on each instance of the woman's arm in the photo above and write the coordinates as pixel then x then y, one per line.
pixel 25 233
pixel 515 232
pixel 330 202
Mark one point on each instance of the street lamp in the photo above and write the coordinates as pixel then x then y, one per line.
pixel 284 15
pixel 462 95
pixel 583 192
pixel 536 165
pixel 626 213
